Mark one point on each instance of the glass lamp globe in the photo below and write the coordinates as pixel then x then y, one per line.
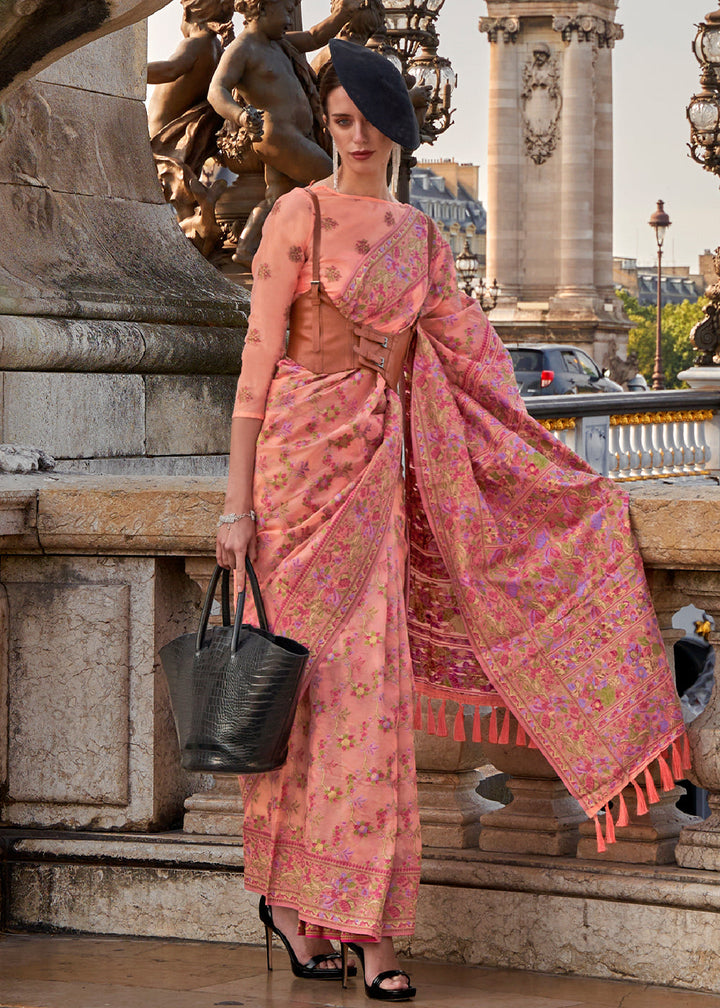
pixel 467 263
pixel 707 40
pixel 704 115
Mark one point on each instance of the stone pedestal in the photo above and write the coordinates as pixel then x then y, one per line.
pixel 124 339
pixel 217 812
pixel 706 378
pixel 542 818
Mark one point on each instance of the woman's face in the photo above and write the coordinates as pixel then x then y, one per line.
pixel 362 147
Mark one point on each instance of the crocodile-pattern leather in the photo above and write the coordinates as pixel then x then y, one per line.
pixel 233 711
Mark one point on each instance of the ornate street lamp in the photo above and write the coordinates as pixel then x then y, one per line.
pixel 659 222
pixel 436 73
pixel 467 265
pixel 410 28
pixel 703 114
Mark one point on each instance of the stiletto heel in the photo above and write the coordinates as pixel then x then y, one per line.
pixel 344 957
pixel 308 970
pixel 373 989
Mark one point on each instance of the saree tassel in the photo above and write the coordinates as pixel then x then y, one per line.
pixel 431 728
pixel 532 744
pixel 493 733
pixel 477 730
pixel 599 835
pixel 459 726
pixel 665 776
pixel 442 723
pixel 677 769
pixel 686 761
pixel 650 787
pixel 505 733
pixel 641 803
pixel 623 818
pixel 417 723
pixel 609 826
pixel 521 737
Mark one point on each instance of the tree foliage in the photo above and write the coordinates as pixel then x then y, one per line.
pixel 677 321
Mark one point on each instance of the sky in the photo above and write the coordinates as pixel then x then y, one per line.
pixel 655 75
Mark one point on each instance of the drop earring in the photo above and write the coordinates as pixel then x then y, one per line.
pixel 396 156
pixel 336 167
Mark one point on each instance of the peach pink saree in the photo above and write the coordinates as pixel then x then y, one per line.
pixel 525 587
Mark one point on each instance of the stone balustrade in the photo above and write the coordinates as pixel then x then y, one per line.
pixel 638 435
pixel 101 831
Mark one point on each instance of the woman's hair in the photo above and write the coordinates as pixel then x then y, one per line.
pixel 328 81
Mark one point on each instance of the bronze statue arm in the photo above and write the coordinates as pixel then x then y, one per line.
pixel 321 33
pixel 228 75
pixel 181 62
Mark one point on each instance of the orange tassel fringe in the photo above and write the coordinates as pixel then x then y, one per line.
pixel 672 763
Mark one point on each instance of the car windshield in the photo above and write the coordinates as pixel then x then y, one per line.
pixel 527 360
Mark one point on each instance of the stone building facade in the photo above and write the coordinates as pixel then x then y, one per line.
pixel 448 193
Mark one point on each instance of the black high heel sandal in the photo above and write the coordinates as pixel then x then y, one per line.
pixel 373 989
pixel 308 971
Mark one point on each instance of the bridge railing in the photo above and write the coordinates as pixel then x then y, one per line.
pixel 638 435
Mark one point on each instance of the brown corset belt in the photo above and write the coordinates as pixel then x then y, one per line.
pixel 324 341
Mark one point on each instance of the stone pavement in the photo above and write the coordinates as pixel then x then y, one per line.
pixel 69 971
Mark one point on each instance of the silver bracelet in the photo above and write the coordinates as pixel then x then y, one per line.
pixel 230 519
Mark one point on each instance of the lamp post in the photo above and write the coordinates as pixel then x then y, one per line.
pixel 703 114
pixel 410 27
pixel 467 265
pixel 659 222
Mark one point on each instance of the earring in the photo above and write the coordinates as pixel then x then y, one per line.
pixel 396 156
pixel 336 167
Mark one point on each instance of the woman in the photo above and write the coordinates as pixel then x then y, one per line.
pixel 524 587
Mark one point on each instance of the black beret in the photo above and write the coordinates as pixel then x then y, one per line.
pixel 378 90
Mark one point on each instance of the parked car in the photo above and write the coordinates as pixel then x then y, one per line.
pixel 557 369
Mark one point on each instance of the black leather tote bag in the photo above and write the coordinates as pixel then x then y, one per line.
pixel 233 688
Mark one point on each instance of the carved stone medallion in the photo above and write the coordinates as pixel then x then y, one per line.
pixel 541 104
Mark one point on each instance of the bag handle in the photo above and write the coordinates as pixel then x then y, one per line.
pixel 225 601
pixel 209 599
pixel 240 605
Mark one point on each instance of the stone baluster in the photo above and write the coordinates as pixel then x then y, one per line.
pixel 447 778
pixel 504 158
pixel 217 811
pixel 648 838
pixel 542 818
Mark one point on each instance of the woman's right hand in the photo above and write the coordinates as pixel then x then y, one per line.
pixel 234 541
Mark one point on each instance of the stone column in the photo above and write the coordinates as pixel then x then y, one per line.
pixel 218 810
pixel 577 208
pixel 603 210
pixel 504 153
